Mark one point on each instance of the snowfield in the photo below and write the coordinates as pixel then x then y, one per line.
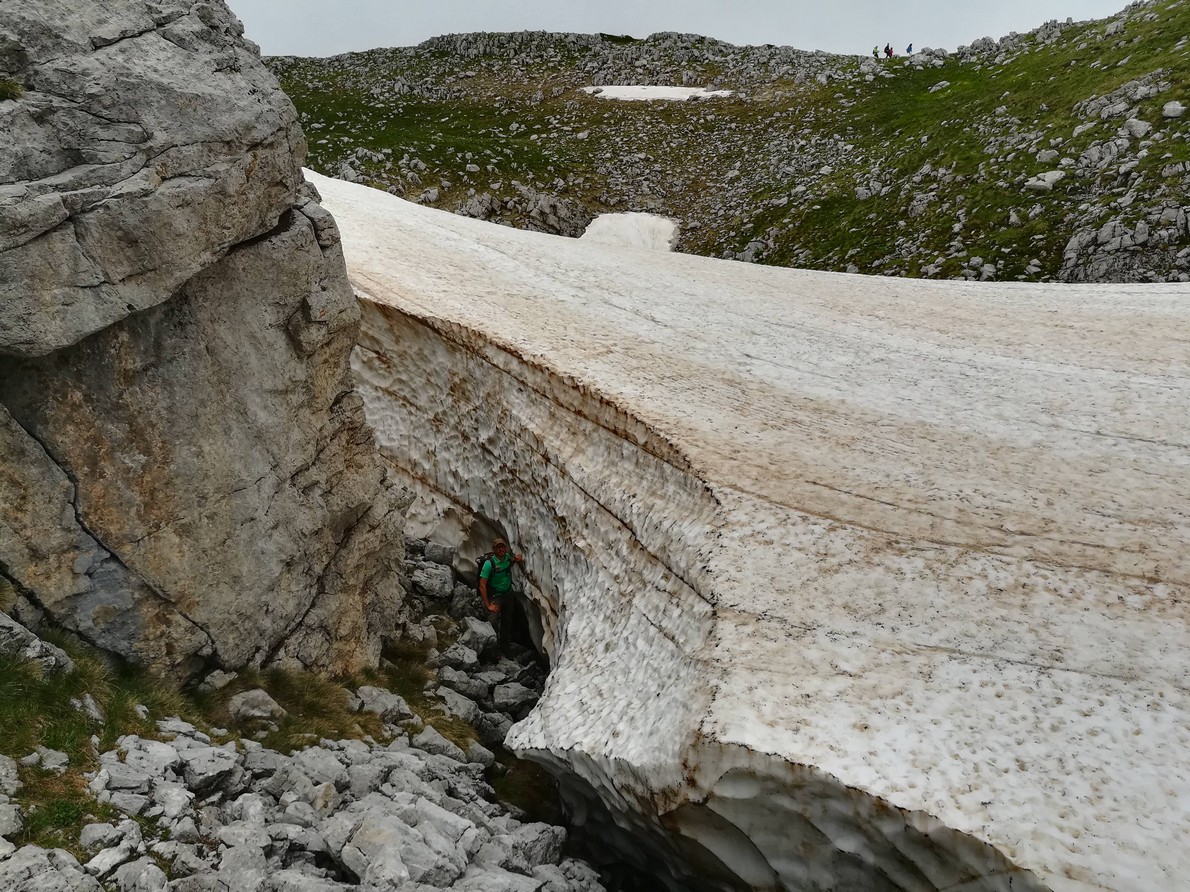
pixel 858 582
pixel 632 230
pixel 644 93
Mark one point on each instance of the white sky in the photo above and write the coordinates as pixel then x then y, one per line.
pixel 319 28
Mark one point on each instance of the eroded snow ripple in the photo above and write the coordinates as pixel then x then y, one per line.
pixel 848 582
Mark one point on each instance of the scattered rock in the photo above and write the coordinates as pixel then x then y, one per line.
pixel 387 705
pixel 217 681
pixel 254 705
pixel 16 640
pixel 1044 182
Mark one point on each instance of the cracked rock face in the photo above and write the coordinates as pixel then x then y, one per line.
pixel 148 142
pixel 186 470
pixel 847 583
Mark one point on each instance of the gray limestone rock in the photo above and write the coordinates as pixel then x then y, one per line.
pixel 431 741
pixel 439 554
pixel 254 705
pixel 141 158
pixel 296 881
pixel 33 869
pixel 217 681
pixel 11 819
pixel 10 778
pixel 187 295
pixel 512 697
pixel 204 767
pixel 15 639
pixel 109 859
pixel 1173 109
pixel 142 875
pixel 53 760
pixel 1045 182
pixel 477 635
pixel 469 686
pixel 99 836
pixel 87 705
pixel 321 767
pixel 433 581
pixel 1137 128
pixel 459 706
pixel 387 705
pixel 457 656
pixel 480 755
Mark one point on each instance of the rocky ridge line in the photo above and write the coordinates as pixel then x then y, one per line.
pixel 802 166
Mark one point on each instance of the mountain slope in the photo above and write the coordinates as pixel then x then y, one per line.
pixel 1058 154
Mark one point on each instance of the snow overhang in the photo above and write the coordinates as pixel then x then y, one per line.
pixel 902 563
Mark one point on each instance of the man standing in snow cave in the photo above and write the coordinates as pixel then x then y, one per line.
pixel 495 589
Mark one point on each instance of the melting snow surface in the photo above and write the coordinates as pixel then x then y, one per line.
pixel 646 92
pixel 633 230
pixel 948 549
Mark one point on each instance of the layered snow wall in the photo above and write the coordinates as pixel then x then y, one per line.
pixel 847 582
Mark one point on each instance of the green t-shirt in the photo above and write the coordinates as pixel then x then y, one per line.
pixel 498 573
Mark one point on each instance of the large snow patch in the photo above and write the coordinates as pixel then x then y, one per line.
pixel 848 582
pixel 647 92
pixel 633 230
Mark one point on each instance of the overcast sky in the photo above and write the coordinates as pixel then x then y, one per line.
pixel 327 27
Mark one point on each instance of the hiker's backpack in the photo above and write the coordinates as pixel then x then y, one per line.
pixel 479 562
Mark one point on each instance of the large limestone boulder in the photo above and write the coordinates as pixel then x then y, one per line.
pixel 149 141
pixel 847 582
pixel 186 472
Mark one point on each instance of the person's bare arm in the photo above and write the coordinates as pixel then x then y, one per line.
pixel 483 596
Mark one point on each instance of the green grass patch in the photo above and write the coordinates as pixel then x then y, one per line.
pixel 316 707
pixel 10 90
pixel 36 710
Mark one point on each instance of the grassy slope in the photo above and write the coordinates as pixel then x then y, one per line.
pixel 683 151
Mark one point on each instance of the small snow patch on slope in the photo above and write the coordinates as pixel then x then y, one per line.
pixel 633 230
pixel 641 92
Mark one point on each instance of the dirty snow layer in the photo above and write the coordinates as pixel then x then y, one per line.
pixel 645 92
pixel 648 232
pixel 862 558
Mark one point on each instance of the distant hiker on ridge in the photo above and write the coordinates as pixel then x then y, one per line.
pixel 909 50
pixel 888 50
pixel 495 587
pixel 876 52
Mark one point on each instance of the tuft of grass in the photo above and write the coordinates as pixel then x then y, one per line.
pixel 407 674
pixel 36 710
pixel 316 707
pixel 57 807
pixel 10 90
